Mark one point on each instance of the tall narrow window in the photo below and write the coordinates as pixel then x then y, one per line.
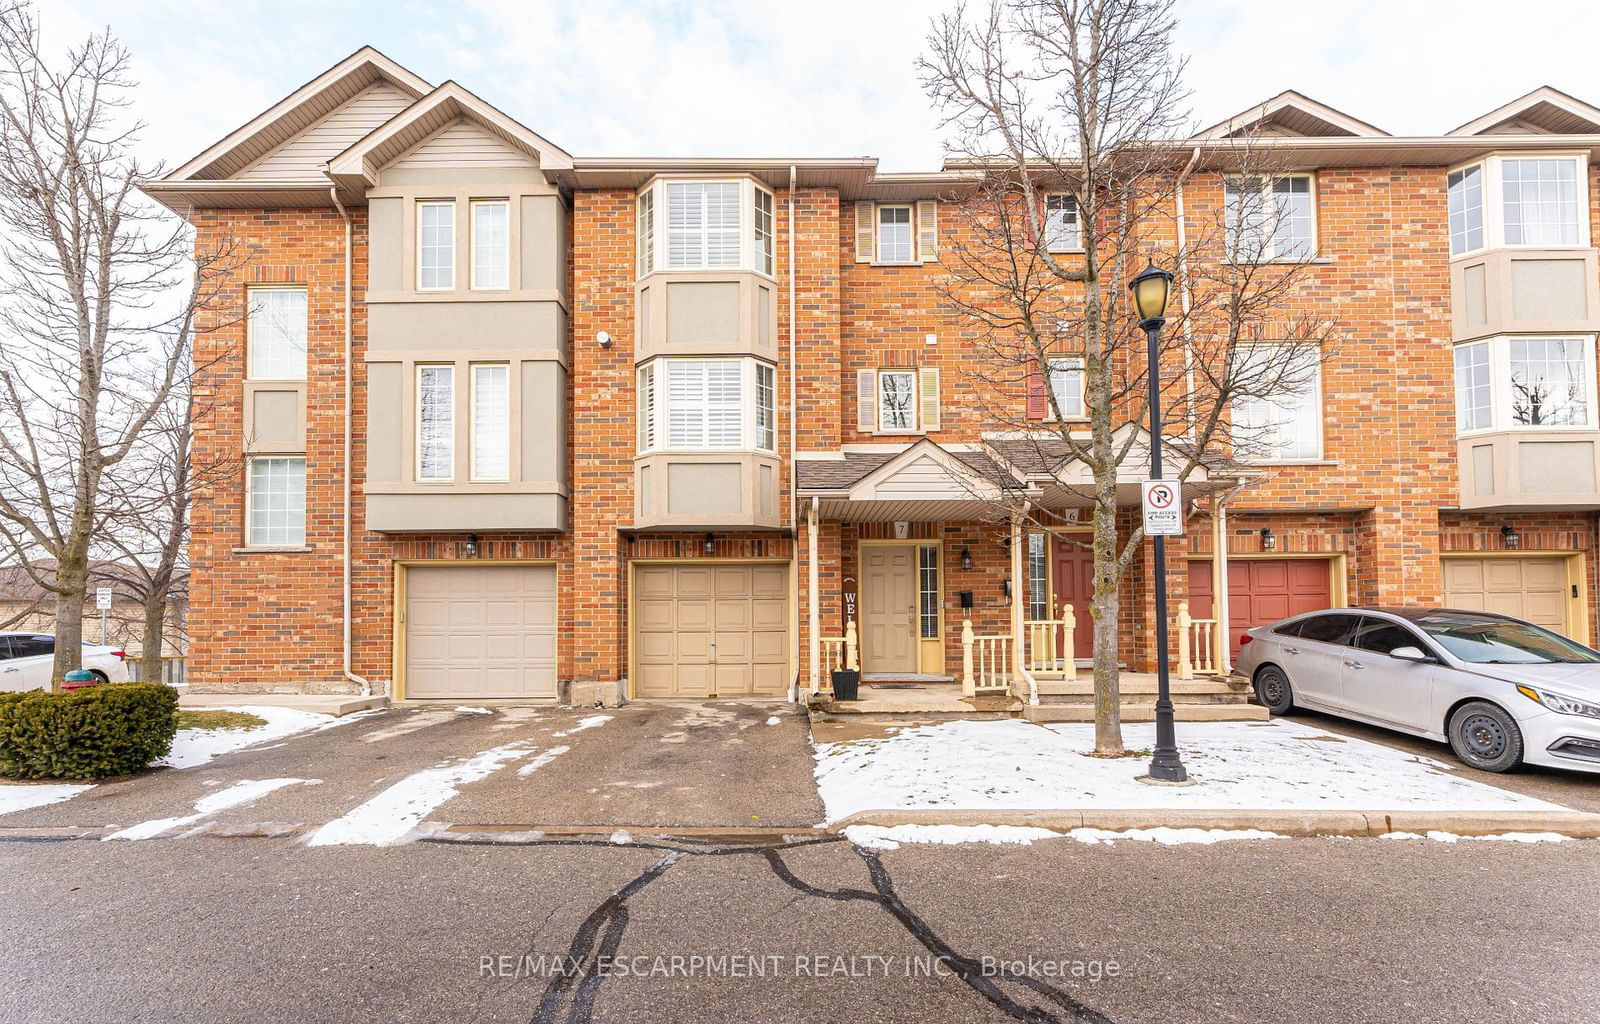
pixel 763 231
pixel 1061 224
pixel 897 401
pixel 1465 201
pixel 1548 386
pixel 1541 201
pixel 928 591
pixel 1473 408
pixel 895 237
pixel 705 407
pixel 1277 415
pixel 436 246
pixel 646 231
pixel 436 422
pixel 275 502
pixel 491 421
pixel 1038 578
pixel 766 408
pixel 491 243
pixel 702 224
pixel 647 407
pixel 1066 383
pixel 277 333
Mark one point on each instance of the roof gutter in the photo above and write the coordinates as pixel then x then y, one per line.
pixel 349 402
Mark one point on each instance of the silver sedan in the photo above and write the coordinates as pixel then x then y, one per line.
pixel 1500 691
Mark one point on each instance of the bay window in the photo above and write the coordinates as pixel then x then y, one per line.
pixel 1277 410
pixel 276 333
pixel 1271 219
pixel 491 421
pixel 1535 201
pixel 689 404
pixel 707 225
pixel 436 422
pixel 645 236
pixel 275 502
pixel 1524 382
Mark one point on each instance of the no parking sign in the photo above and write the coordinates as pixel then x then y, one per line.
pixel 1163 508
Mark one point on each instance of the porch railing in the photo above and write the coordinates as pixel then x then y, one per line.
pixel 1049 644
pixel 985 662
pixel 1197 644
pixel 174 670
pixel 840 652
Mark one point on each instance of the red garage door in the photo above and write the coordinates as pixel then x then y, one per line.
pixel 1261 591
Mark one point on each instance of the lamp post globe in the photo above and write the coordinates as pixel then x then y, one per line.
pixel 1151 289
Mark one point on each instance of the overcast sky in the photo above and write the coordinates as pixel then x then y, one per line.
pixel 811 78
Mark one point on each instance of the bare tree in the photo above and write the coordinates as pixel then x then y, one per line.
pixel 1071 116
pixel 95 321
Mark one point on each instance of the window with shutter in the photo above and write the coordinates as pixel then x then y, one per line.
pixel 702 224
pixel 897 409
pixel 866 401
pixel 927 230
pixel 1038 396
pixel 896 243
pixel 866 229
pixel 929 379
pixel 1061 233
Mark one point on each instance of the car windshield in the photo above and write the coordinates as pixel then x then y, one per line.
pixel 1502 641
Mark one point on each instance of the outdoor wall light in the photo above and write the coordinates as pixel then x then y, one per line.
pixel 966 558
pixel 1150 291
pixel 711 544
pixel 472 545
pixel 1268 541
pixel 1510 537
pixel 1005 589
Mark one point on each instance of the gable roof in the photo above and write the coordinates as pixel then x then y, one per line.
pixel 296 112
pixel 1545 110
pixel 358 166
pixel 1292 113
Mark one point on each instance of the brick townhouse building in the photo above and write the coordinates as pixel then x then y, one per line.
pixel 515 423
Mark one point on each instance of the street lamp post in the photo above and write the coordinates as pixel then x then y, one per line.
pixel 1150 292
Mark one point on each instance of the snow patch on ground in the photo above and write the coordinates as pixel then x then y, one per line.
pixel 774 720
pixel 1504 837
pixel 544 758
pixel 466 710
pixel 197 746
pixel 236 795
pixel 392 815
pixel 22 798
pixel 1171 836
pixel 1016 765
pixel 588 723
pixel 889 837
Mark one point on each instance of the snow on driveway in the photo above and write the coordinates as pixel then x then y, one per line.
pixel 236 795
pixel 197 746
pixel 17 797
pixel 1016 765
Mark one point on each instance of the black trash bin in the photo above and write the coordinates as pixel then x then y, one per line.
pixel 846 684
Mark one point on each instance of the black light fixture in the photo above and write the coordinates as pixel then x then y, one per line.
pixel 472 545
pixel 1005 588
pixel 966 558
pixel 1268 541
pixel 711 544
pixel 1510 537
pixel 1150 291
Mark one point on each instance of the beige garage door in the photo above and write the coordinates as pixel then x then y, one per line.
pixel 1534 589
pixel 481 631
pixel 711 630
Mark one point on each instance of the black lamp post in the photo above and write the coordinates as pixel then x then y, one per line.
pixel 1150 292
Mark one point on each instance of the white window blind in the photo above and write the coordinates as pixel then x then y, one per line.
pixel 436 246
pixel 766 408
pixel 436 422
pixel 895 236
pixel 646 229
pixel 1541 201
pixel 277 333
pixel 763 231
pixel 647 407
pixel 276 502
pixel 1270 219
pixel 491 243
pixel 1061 224
pixel 1277 415
pixel 491 421
pixel 705 406
pixel 1066 382
pixel 703 224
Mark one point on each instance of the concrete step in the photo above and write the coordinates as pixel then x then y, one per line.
pixel 336 704
pixel 1147 713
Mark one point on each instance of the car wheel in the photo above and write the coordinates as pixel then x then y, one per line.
pixel 1273 690
pixel 1483 736
pixel 99 676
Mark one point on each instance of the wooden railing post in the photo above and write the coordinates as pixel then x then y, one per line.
pixel 968 686
pixel 850 659
pixel 1185 663
pixel 1069 646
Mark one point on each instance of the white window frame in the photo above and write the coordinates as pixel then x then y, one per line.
pixel 1483 208
pixel 416 425
pixel 1500 402
pixel 1494 210
pixel 425 204
pixel 251 340
pixel 916 400
pixel 653 228
pixel 476 430
pixel 763 231
pixel 505 248
pixel 251 540
pixel 1320 449
pixel 766 407
pixel 645 231
pixel 1072 226
pixel 654 405
pixel 1065 364
pixel 1275 250
pixel 911 234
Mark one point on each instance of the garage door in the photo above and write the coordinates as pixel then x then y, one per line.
pixel 711 630
pixel 481 631
pixel 1261 591
pixel 1534 589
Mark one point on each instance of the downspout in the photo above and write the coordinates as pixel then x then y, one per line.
pixel 813 611
pixel 1019 585
pixel 1183 293
pixel 1219 576
pixel 794 465
pixel 349 402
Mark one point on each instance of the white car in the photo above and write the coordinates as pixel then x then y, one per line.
pixel 1499 690
pixel 26 659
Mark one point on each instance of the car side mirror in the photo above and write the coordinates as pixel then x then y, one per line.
pixel 1409 654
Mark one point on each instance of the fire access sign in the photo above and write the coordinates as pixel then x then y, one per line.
pixel 1163 508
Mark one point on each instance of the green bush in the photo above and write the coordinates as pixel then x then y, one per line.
pixel 91 734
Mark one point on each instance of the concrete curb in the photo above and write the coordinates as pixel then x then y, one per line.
pixel 1574 824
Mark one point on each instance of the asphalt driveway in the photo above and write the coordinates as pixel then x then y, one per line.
pixel 717 764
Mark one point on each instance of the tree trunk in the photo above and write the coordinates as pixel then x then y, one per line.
pixel 155 621
pixel 69 632
pixel 1104 610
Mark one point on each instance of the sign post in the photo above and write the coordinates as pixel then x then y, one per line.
pixel 102 601
pixel 1163 508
